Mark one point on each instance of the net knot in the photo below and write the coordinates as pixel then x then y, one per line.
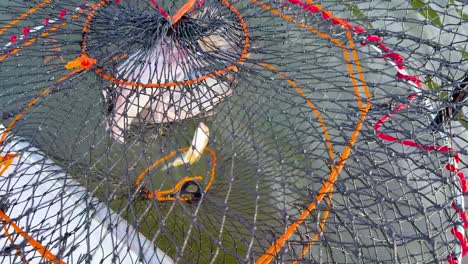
pixel 82 61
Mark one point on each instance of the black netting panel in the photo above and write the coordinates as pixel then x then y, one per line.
pixel 216 131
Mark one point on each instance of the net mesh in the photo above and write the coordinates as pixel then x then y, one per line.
pixel 226 131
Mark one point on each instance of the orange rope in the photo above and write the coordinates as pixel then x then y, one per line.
pixel 213 168
pixel 309 103
pixel 5 162
pixel 327 187
pixel 184 9
pixel 330 151
pixel 23 16
pixel 322 124
pixel 18 251
pixel 34 243
pixel 165 194
pixel 325 216
pixel 88 21
pixel 268 256
pixel 358 66
pixel 320 228
pixel 33 40
pixel 300 24
pixel 164 85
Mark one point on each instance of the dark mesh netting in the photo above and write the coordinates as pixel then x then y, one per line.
pixel 226 131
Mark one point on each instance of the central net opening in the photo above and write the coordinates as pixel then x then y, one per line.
pixel 143 46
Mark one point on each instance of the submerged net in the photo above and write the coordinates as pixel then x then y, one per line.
pixel 224 131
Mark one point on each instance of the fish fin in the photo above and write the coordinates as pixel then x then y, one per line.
pixel 194 153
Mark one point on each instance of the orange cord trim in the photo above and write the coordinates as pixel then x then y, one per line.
pixel 24 15
pixel 368 96
pixel 182 11
pixel 328 142
pixel 164 85
pixel 33 40
pixel 269 255
pixel 9 158
pixel 5 162
pixel 329 146
pixel 18 251
pixel 88 21
pixel 327 187
pixel 165 195
pixel 31 104
pixel 106 76
pixel 320 228
pixel 34 243
pixel 117 57
pixel 358 66
pixel 309 103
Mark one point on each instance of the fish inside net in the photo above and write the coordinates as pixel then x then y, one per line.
pixel 219 131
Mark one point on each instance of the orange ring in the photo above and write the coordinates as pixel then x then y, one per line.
pixel 161 195
pixel 12 241
pixel 114 80
pixel 327 187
